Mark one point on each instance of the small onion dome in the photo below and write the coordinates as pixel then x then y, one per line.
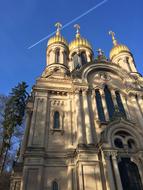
pixel 79 41
pixel 58 38
pixel 118 48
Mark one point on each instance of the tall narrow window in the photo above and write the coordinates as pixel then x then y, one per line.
pixel 83 58
pixel 119 102
pixel 109 101
pixel 55 185
pixel 76 60
pixel 57 56
pixel 56 120
pixel 129 174
pixel 99 106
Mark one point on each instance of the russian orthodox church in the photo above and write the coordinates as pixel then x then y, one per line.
pixel 84 121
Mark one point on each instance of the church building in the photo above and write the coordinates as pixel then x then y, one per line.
pixel 84 121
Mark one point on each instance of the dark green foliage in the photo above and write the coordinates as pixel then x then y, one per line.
pixel 3 100
pixel 13 116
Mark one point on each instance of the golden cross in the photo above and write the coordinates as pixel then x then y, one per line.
pixel 77 30
pixel 59 26
pixel 113 38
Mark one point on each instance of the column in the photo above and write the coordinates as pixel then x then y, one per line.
pixel 63 57
pixel 80 177
pixel 88 129
pixel 78 117
pixel 132 64
pixel 114 97
pixel 95 113
pixel 108 171
pixel 26 134
pixel 94 105
pixel 88 56
pixel 33 119
pixel 124 101
pixel 116 170
pixel 140 103
pixel 104 104
pixel 137 110
pixel 51 57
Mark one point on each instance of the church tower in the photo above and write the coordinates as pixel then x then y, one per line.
pixel 84 121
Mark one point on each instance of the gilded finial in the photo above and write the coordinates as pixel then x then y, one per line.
pixel 113 38
pixel 59 26
pixel 77 30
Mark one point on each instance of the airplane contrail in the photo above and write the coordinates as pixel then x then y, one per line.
pixel 70 22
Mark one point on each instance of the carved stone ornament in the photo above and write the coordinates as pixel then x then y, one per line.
pixel 105 76
pixel 102 77
pixel 57 103
pixel 111 153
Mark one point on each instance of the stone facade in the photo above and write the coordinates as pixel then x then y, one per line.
pixel 73 141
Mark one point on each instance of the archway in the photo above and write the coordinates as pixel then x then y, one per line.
pixel 129 174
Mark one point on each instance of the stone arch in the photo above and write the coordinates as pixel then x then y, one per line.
pixel 104 67
pixel 121 125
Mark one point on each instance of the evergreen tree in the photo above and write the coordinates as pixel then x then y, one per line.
pixel 3 100
pixel 13 117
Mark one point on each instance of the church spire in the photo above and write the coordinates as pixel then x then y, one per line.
pixel 115 43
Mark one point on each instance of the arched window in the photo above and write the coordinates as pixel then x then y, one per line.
pixel 131 144
pixel 109 101
pixel 122 138
pixel 56 120
pixel 76 61
pixel 55 186
pixel 118 143
pixel 83 58
pixel 129 174
pixel 99 106
pixel 119 102
pixel 57 56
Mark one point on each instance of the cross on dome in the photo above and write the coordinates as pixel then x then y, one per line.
pixel 113 38
pixel 59 26
pixel 77 26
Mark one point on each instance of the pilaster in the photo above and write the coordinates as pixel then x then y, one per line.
pixel 26 134
pixel 79 117
pixel 88 129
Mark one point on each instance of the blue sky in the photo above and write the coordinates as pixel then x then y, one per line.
pixel 25 22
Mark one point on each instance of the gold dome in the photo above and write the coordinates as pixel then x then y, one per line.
pixel 58 38
pixel 79 41
pixel 118 48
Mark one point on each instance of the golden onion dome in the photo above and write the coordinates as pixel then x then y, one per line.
pixel 58 38
pixel 79 41
pixel 118 48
